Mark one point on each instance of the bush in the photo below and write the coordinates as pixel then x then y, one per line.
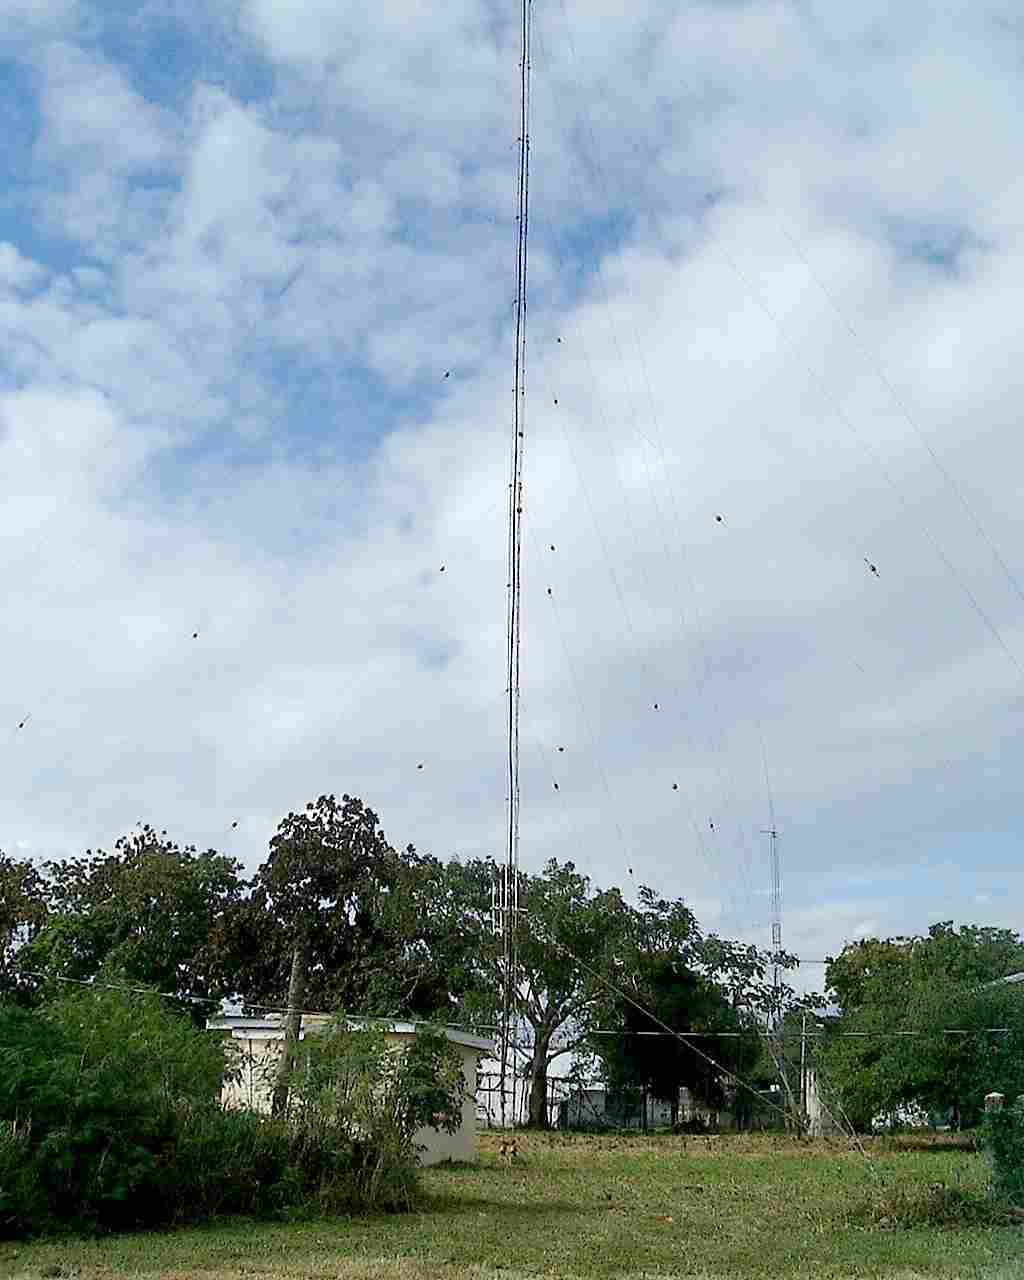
pixel 229 1162
pixel 1002 1137
pixel 22 1200
pixel 93 1086
pixel 351 1090
pixel 110 1119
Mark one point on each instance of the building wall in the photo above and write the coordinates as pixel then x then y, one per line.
pixel 255 1087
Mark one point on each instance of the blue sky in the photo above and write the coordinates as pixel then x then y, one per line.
pixel 776 259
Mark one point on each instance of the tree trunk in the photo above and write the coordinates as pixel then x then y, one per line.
pixel 293 1026
pixel 539 1081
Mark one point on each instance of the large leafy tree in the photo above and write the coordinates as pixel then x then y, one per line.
pixel 331 921
pixel 453 935
pixel 570 935
pixel 578 949
pixel 334 890
pixel 147 911
pixel 714 1042
pixel 899 999
pixel 671 975
pixel 568 931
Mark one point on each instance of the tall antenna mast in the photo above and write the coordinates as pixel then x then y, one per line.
pixel 775 901
pixel 508 894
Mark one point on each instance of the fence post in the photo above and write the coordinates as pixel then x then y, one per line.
pixel 993 1102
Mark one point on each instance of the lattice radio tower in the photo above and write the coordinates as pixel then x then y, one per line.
pixel 506 893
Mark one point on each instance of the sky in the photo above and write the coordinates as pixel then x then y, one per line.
pixel 257 304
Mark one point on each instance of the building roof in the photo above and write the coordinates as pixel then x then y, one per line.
pixel 1011 979
pixel 272 1027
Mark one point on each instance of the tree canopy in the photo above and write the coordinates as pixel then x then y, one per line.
pixel 23 912
pixel 333 882
pixel 146 911
pixel 665 993
pixel 902 997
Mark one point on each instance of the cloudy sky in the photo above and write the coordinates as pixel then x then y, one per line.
pixel 256 302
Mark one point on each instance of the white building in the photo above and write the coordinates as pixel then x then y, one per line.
pixel 261 1039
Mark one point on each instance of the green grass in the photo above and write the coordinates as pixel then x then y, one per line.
pixel 603 1207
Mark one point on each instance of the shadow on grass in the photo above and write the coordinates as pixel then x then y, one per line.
pixel 931 1144
pixel 462 1204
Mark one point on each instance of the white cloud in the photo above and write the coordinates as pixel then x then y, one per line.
pixel 24 20
pixel 17 271
pixel 89 110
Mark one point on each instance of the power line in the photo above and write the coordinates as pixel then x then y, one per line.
pixel 876 365
pixel 624 995
pixel 870 450
pixel 129 989
pixel 827 1033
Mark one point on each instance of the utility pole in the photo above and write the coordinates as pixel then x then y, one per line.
pixel 803 1069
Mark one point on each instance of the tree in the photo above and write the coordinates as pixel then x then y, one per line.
pixel 688 981
pixel 640 1053
pixel 899 998
pixel 572 933
pixel 453 939
pixel 23 912
pixel 576 944
pixel 569 930
pixel 146 911
pixel 331 907
pixel 333 879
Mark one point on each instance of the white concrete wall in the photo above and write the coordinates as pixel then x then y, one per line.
pixel 259 1055
pixel 460 1145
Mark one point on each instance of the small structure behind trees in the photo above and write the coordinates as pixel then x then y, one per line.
pixel 259 1043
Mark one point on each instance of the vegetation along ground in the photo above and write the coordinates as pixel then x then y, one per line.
pixel 603 1206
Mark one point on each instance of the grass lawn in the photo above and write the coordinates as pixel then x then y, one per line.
pixel 577 1206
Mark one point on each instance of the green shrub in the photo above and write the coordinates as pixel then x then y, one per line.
pixel 94 1084
pixel 352 1091
pixel 110 1119
pixel 22 1200
pixel 228 1162
pixel 1002 1138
